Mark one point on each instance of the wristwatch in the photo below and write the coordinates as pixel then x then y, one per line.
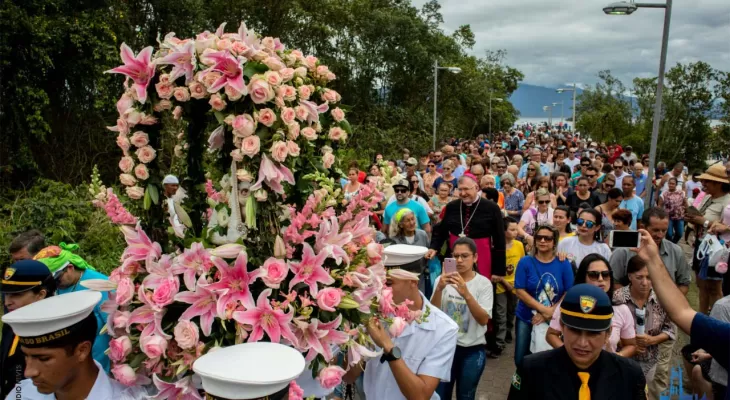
pixel 393 355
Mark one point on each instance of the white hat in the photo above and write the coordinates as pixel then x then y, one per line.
pixel 249 370
pixel 51 319
pixel 402 254
pixel 170 180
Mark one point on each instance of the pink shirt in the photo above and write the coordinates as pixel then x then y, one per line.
pixel 622 325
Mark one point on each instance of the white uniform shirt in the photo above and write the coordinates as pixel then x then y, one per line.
pixel 427 349
pixel 104 388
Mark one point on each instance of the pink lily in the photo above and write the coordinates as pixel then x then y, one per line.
pixel 314 109
pixel 309 270
pixel 139 245
pixel 263 318
pixel 140 68
pixel 183 62
pixel 192 262
pixel 230 69
pixel 233 284
pixel 230 250
pixel 356 352
pixel 329 240
pixel 182 389
pixel 319 337
pixel 273 175
pixel 203 305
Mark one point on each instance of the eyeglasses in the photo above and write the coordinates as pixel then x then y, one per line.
pixel 544 238
pixel 591 176
pixel 432 165
pixel 585 165
pixel 587 224
pixel 462 256
pixel 400 190
pixel 501 166
pixel 531 169
pixel 594 275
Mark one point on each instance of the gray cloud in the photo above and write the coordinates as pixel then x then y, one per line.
pixel 558 41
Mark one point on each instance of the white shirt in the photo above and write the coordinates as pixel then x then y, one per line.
pixel 427 349
pixel 577 251
pixel 680 181
pixel 471 333
pixel 572 163
pixel 104 388
pixel 691 185
pixel 619 179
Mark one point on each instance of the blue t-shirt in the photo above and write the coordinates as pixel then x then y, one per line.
pixel 101 344
pixel 544 282
pixel 640 182
pixel 418 210
pixel 636 206
pixel 713 336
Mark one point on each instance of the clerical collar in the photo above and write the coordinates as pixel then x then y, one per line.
pixel 471 203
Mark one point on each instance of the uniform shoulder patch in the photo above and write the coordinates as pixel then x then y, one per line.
pixel 9 272
pixel 516 381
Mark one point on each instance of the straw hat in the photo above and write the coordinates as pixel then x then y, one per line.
pixel 715 173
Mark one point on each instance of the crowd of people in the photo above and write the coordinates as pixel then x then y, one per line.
pixel 500 239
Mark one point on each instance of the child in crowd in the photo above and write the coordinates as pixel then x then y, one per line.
pixel 505 300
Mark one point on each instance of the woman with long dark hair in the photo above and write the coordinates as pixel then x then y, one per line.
pixel 595 270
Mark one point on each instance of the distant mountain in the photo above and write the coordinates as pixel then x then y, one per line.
pixel 529 100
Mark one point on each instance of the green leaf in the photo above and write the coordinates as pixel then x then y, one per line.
pixel 346 126
pixel 154 194
pixel 147 199
pixel 219 117
pixel 252 68
pixel 137 360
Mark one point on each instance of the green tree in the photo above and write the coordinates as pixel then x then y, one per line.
pixel 604 112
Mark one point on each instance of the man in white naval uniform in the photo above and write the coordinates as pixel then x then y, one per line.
pixel 56 335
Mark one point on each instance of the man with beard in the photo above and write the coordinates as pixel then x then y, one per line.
pixel 403 200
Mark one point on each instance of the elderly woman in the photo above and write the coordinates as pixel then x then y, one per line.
pixel 543 182
pixel 513 198
pixel 439 200
pixel 430 177
pixel 657 327
pixel 448 167
pixel 404 230
pixel 489 181
pixel 540 214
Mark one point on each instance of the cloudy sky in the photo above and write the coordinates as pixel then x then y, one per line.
pixel 557 41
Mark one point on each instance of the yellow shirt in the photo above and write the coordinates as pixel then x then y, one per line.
pixel 513 256
pixel 566 236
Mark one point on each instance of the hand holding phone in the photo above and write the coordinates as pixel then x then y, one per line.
pixel 630 239
pixel 449 265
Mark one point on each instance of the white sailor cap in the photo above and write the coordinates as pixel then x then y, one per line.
pixel 403 254
pixel 270 368
pixel 53 321
pixel 170 180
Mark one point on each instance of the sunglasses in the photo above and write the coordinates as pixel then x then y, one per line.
pixel 401 190
pixel 531 169
pixel 543 202
pixel 595 274
pixel 544 238
pixel 587 224
pixel 432 165
pixel 591 176
pixel 585 165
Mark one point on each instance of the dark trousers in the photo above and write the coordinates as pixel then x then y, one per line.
pixel 466 370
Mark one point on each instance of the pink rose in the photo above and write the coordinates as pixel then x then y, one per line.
pixel 120 320
pixel 293 148
pixel 337 134
pixel 279 151
pixel 127 179
pixel 337 114
pixel 375 251
pixel 177 112
pixel 223 44
pixel 273 272
pixel 260 91
pixel 165 79
pixel 217 103
pixel 292 131
pixel 132 117
pixel 330 96
pixel 309 133
pixel 300 72
pixel 135 192
pixel 124 374
pixel 124 103
pixel 329 298
pixel 330 377
pixel 126 164
pixel 186 334
pixel 273 78
pixel 295 392
pixel 119 348
pixel 286 74
pixel 243 125
pixel 267 117
pixel 287 92
pixel 301 112
pixel 232 93
pixel 165 292
pixel 268 42
pixel 153 346
pixel 164 90
pixel 251 146
pixel 141 172
pixel 197 90
pixel 163 105
pixel 239 48
pixel 260 195
pixel 210 78
pixel 397 326
pixel 237 155
pixel 304 92
pixel 322 71
pixel 140 139
pixel 125 292
pixel 311 62
pixel 288 115
pixel 327 160
pixel 146 154
pixel 182 94
pixel 123 143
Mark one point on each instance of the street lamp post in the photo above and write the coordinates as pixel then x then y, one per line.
pixel 436 68
pixel 561 112
pixel 497 99
pixel 574 89
pixel 626 8
pixel 549 109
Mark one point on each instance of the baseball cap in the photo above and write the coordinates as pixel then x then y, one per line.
pixel 401 182
pixel 587 308
pixel 412 161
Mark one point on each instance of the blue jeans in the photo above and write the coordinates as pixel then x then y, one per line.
pixel 467 368
pixel 676 230
pixel 523 336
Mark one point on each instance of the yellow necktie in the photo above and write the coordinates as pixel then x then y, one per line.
pixel 585 392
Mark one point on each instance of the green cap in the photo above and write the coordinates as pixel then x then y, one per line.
pixel 58 257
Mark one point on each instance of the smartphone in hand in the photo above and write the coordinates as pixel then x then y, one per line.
pixel 449 265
